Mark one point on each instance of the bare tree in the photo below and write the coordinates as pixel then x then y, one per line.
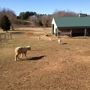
pixel 64 13
pixel 12 17
pixel 34 19
pixel 44 20
pixel 50 17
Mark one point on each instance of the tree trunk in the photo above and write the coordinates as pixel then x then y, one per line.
pixel 12 27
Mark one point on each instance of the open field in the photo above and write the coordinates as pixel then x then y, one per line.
pixel 50 65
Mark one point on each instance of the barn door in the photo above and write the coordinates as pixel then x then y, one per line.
pixel 52 28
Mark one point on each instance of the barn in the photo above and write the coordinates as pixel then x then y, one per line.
pixel 72 26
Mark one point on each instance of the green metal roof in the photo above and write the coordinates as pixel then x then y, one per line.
pixel 73 22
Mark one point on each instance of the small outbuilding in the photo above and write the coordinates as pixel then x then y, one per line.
pixel 79 25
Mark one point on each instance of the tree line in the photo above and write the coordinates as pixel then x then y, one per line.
pixel 32 18
pixel 43 19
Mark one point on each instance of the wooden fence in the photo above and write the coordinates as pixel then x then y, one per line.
pixel 5 36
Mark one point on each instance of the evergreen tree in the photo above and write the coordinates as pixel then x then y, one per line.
pixel 5 23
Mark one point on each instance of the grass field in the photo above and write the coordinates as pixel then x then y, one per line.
pixel 50 66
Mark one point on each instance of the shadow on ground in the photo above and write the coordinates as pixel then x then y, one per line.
pixel 37 58
pixel 64 43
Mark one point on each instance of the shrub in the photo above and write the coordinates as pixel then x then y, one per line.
pixel 5 23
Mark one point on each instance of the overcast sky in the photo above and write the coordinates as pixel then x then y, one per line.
pixel 46 6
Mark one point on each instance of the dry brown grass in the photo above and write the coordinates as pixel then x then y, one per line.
pixel 50 66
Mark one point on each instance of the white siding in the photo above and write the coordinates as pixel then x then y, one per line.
pixel 55 26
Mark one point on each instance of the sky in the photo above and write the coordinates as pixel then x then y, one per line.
pixel 46 6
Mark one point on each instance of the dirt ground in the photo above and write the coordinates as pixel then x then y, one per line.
pixel 50 65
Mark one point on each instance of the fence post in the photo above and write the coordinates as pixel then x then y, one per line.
pixel 0 37
pixel 10 35
pixel 71 33
pixel 5 36
pixel 85 31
